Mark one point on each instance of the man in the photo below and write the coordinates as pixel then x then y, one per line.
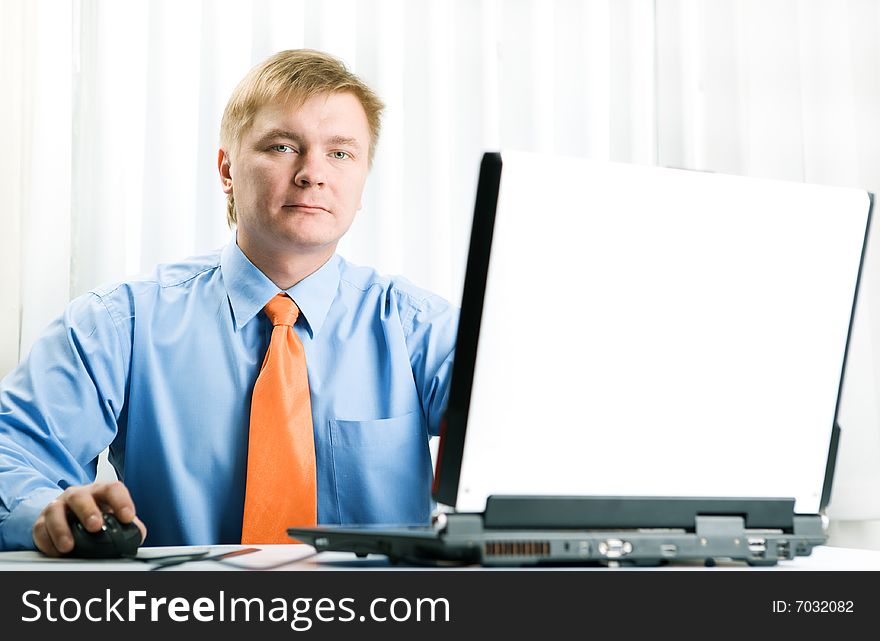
pixel 216 431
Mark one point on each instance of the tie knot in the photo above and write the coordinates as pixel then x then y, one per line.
pixel 281 310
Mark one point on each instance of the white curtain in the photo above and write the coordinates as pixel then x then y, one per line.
pixel 110 113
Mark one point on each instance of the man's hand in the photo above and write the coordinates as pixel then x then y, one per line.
pixel 52 534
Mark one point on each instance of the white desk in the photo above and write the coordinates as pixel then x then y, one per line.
pixel 301 557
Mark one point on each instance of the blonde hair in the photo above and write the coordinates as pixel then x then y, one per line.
pixel 292 76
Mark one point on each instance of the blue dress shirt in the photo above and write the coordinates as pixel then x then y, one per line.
pixel 162 369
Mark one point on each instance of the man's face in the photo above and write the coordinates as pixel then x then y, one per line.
pixel 298 175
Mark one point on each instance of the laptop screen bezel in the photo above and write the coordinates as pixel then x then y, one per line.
pixel 835 432
pixel 454 424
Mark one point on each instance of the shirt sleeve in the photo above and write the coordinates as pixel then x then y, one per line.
pixel 431 334
pixel 58 411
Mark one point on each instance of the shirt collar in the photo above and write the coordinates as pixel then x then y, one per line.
pixel 315 293
pixel 249 289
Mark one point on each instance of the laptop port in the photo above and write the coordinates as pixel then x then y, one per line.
pixel 758 546
pixel 614 548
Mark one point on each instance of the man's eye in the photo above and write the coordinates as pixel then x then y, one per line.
pixel 339 155
pixel 286 149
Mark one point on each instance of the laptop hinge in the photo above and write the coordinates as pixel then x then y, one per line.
pixel 616 512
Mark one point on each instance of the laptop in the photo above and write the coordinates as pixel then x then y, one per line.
pixel 648 370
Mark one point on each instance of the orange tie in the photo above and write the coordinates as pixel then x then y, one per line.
pixel 280 491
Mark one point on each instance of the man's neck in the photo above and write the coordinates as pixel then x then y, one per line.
pixel 286 268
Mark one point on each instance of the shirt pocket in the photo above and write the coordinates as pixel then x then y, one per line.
pixel 382 470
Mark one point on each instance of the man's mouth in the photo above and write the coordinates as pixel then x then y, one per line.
pixel 307 206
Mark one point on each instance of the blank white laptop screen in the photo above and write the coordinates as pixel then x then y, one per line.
pixel 660 332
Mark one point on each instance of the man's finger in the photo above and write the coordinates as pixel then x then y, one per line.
pixel 142 528
pixel 42 539
pixel 84 507
pixel 56 525
pixel 117 498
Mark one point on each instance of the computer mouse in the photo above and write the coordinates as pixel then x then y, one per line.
pixel 113 540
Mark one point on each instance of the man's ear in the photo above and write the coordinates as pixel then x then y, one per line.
pixel 225 169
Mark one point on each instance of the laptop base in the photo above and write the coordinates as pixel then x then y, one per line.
pixel 719 530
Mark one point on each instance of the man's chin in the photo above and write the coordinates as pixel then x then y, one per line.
pixel 306 243
pixel 308 235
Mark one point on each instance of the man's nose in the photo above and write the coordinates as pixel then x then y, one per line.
pixel 310 172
